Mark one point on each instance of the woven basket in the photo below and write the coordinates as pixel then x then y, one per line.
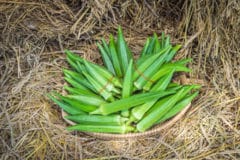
pixel 153 131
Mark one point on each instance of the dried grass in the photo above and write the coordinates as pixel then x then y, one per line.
pixel 34 34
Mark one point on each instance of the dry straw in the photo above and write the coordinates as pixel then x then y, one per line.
pixel 34 34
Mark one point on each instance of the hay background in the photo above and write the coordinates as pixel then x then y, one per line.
pixel 34 34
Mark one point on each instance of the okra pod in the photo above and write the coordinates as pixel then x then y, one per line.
pixel 178 107
pixel 162 84
pixel 173 52
pixel 102 128
pixel 127 103
pixel 125 113
pixel 123 51
pixel 100 69
pixel 78 91
pixel 167 41
pixel 106 48
pixel 157 46
pixel 100 88
pixel 90 100
pixel 77 104
pixel 105 73
pixel 160 109
pixel 163 40
pixel 115 57
pixel 150 48
pixel 165 69
pixel 174 88
pixel 147 63
pixel 170 85
pixel 139 111
pixel 106 59
pixel 128 81
pixel 76 84
pixel 144 50
pixel 145 77
pixel 104 82
pixel 97 119
pixel 127 86
pixel 78 78
pixel 73 65
pixel 67 108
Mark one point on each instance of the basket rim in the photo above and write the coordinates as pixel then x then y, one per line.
pixel 153 131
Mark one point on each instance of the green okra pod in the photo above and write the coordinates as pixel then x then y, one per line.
pixel 76 84
pixel 163 40
pixel 157 46
pixel 139 111
pixel 127 86
pixel 102 80
pixel 76 104
pixel 124 54
pixel 106 47
pixel 127 103
pixel 100 69
pixel 102 128
pixel 147 63
pixel 115 57
pixel 167 41
pixel 90 100
pixel 151 46
pixel 144 50
pixel 173 52
pixel 106 59
pixel 97 119
pixel 145 76
pixel 72 90
pixel 160 109
pixel 79 78
pixel 162 84
pixel 178 107
pixel 67 108
pixel 105 73
pixel 174 88
pixel 100 88
pixel 73 56
pixel 128 81
pixel 125 113
pixel 165 69
pixel 73 65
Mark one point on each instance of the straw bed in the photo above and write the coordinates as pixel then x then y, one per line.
pixel 34 35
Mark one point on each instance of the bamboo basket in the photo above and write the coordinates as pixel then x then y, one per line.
pixel 153 131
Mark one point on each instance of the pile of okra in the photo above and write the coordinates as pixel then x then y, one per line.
pixel 125 94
